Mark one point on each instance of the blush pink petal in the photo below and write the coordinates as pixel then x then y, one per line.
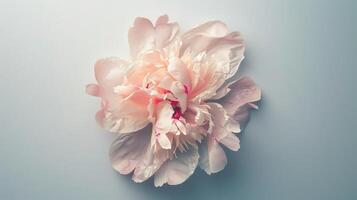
pixel 219 120
pixel 178 70
pixel 178 169
pixel 110 72
pixel 209 29
pixel 227 52
pixel 165 34
pixel 144 36
pixel 129 114
pixel 141 36
pixel 128 149
pixel 178 90
pixel 164 122
pixel 92 89
pixel 223 56
pixel 163 19
pixel 149 164
pixel 242 92
pixel 212 157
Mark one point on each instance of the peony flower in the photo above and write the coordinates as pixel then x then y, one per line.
pixel 176 102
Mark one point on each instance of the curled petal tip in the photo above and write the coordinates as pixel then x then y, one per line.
pixel 92 89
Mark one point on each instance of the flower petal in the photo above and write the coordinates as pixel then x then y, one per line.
pixel 128 149
pixel 212 157
pixel 92 89
pixel 110 72
pixel 178 90
pixel 219 120
pixel 163 19
pixel 164 121
pixel 209 29
pixel 141 36
pixel 144 36
pixel 178 70
pixel 149 164
pixel 242 92
pixel 221 53
pixel 231 141
pixel 129 114
pixel 228 52
pixel 165 34
pixel 164 141
pixel 178 169
pixel 200 38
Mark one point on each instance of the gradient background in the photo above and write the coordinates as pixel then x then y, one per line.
pixel 299 145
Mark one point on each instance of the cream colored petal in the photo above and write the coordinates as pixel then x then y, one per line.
pixel 231 141
pixel 178 169
pixel 164 141
pixel 181 127
pixel 164 120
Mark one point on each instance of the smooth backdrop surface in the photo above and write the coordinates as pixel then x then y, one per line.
pixel 301 144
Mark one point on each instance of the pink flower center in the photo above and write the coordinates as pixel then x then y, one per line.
pixel 177 110
pixel 177 114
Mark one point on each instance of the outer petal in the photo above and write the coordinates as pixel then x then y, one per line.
pixel 165 34
pixel 110 72
pixel 178 169
pixel 203 37
pixel 231 141
pixel 141 36
pixel 228 52
pixel 221 54
pixel 242 92
pixel 149 164
pixel 209 29
pixel 212 157
pixel 128 149
pixel 219 121
pixel 240 100
pixel 163 19
pixel 92 89
pixel 144 36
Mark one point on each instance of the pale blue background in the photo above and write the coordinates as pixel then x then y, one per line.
pixel 299 145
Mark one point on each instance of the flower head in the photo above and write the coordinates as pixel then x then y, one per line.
pixel 176 102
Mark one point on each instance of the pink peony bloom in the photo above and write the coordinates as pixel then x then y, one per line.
pixel 176 102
